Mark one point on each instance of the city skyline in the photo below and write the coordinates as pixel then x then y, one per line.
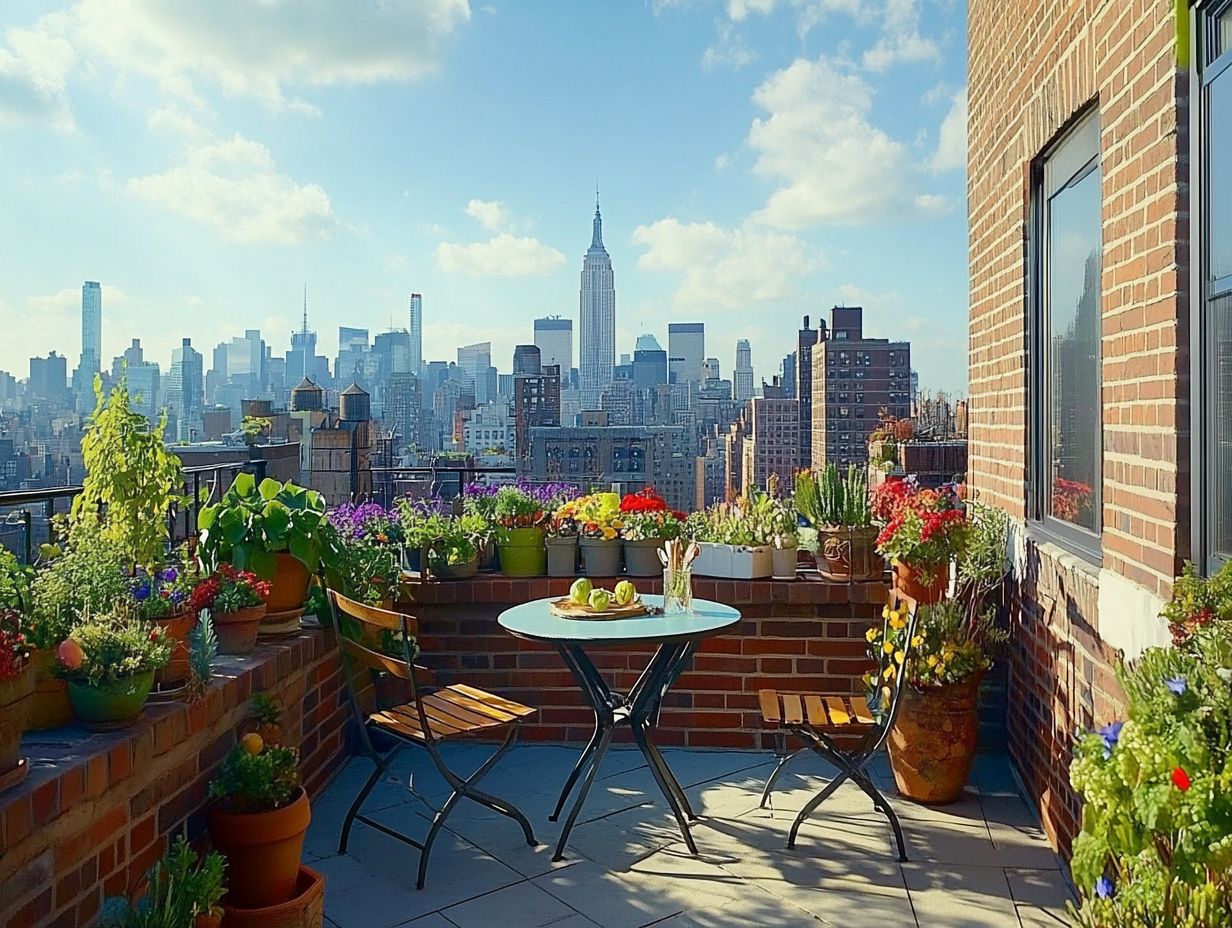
pixel 815 164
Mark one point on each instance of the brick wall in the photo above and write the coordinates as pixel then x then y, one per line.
pixel 795 635
pixel 98 809
pixel 1034 65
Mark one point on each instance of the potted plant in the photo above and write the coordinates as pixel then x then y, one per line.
pixel 646 522
pixel 520 521
pixel 838 506
pixel 162 597
pixel 731 542
pixel 183 890
pixel 258 820
pixel 599 521
pixel 1155 847
pixel 925 531
pixel 562 545
pixel 109 662
pixel 423 523
pixel 933 740
pixel 456 556
pixel 782 525
pixel 236 600
pixel 366 564
pixel 16 693
pixel 279 531
pixel 479 499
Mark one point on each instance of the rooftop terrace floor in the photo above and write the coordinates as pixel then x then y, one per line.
pixel 980 862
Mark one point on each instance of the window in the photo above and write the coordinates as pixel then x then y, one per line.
pixel 1214 324
pixel 1067 246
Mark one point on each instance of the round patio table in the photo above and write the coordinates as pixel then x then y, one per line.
pixel 677 637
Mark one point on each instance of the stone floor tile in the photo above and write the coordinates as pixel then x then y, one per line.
pixel 435 920
pixel 1031 916
pixel 522 905
pixel 1044 889
pixel 609 899
pixel 960 896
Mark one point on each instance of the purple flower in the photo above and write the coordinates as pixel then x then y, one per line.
pixel 1111 735
pixel 178 596
pixel 1178 685
pixel 170 575
pixel 141 592
pixel 1103 888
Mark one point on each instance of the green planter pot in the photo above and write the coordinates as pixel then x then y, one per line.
pixel 522 552
pixel 110 705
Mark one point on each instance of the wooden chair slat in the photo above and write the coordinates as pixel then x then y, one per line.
pixel 373 659
pixel 859 709
pixel 838 710
pixel 462 701
pixel 407 726
pixel 371 615
pixel 769 700
pixel 816 710
pixel 442 726
pixel 451 714
pixel 793 712
pixel 490 699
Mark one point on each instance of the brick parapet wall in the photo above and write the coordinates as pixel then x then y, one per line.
pixel 795 635
pixel 98 809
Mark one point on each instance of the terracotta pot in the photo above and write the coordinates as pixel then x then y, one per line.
pixel 262 851
pixel 177 627
pixel 50 707
pixel 208 920
pixel 237 631
pixel 16 696
pixel 849 553
pixel 924 586
pixel 642 558
pixel 305 910
pixel 933 741
pixel 289 588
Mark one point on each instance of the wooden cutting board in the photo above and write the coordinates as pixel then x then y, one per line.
pixel 568 609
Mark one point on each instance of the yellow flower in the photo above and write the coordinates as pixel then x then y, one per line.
pixel 885 612
pixel 941 670
pixel 932 660
pixel 887 647
pixel 917 641
pixel 888 673
pixel 871 635
pixel 897 621
pixel 869 678
pixel 898 657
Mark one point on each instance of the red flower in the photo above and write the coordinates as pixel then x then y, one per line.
pixel 1180 779
pixel 645 500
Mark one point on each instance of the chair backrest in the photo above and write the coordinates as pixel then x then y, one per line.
pixel 896 602
pixel 364 651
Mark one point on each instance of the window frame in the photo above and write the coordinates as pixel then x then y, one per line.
pixel 1058 166
pixel 1205 68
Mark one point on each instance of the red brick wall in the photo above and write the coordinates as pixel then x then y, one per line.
pixel 796 635
pixel 1034 65
pixel 98 809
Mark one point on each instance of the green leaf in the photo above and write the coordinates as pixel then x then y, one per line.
pixel 243 484
pixel 269 489
pixel 306 551
pixel 233 526
pixel 263 564
pixel 277 520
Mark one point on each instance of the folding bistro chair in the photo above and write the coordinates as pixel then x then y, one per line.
pixel 818 718
pixel 427 720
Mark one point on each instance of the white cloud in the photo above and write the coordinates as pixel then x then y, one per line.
pixel 235 187
pixel 34 68
pixel 506 254
pixel 951 153
pixel 901 40
pixel 723 268
pixel 492 214
pixel 728 50
pixel 263 49
pixel 832 163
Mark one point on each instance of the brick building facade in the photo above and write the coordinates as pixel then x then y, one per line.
pixel 1094 558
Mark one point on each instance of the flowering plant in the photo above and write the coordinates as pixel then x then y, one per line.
pixel 518 507
pixel 646 499
pixel 924 528
pixel 368 522
pixel 1156 842
pixel 1198 602
pixel 15 580
pixel 597 515
pixel 461 543
pixel 651 526
pixel 1071 500
pixel 947 648
pixel 110 647
pixel 163 592
pixel 228 590
pixel 87 577
pixel 14 652
pixel 734 523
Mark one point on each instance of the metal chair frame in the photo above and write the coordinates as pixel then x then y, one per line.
pixel 851 764
pixel 354 653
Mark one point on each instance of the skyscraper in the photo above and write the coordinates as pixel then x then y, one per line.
pixel 554 338
pixel 91 328
pixel 476 362
pixel 416 330
pixel 597 312
pixel 742 378
pixel 806 339
pixel 184 390
pixel 686 352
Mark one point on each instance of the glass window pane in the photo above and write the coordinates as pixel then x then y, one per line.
pixel 1223 32
pixel 1220 420
pixel 1071 333
pixel 1219 223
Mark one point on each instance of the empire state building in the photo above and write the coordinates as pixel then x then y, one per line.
pixel 597 331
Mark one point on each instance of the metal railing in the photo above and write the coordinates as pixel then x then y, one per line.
pixel 389 483
pixel 32 513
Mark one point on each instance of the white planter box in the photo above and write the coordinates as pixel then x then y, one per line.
pixel 734 563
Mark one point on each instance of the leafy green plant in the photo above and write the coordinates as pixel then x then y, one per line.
pixel 461 542
pixel 202 650
pixel 132 480
pixel 253 427
pixel 15 580
pixel 514 507
pixel 833 498
pixel 181 887
pixel 254 522
pixel 1198 602
pixel 948 647
pixel 260 782
pixel 108 648
pixel 86 578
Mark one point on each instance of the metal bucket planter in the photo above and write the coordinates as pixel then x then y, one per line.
pixel 849 553
pixel 16 697
pixel 562 556
pixel 932 744
pixel 522 552
pixel 600 556
pixel 642 558
pixel 111 705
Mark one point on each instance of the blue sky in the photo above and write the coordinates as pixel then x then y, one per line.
pixel 757 159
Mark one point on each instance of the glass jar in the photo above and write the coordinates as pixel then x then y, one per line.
pixel 678 591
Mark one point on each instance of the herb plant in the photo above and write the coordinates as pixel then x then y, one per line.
pixel 108 648
pixel 87 578
pixel 832 498
pixel 260 782
pixel 181 887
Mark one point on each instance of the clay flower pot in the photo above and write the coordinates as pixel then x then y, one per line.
pixel 16 697
pixel 305 910
pixel 289 588
pixel 237 631
pixel 262 851
pixel 111 705
pixel 932 744
pixel 50 707
pixel 849 553
pixel 925 586
pixel 177 628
